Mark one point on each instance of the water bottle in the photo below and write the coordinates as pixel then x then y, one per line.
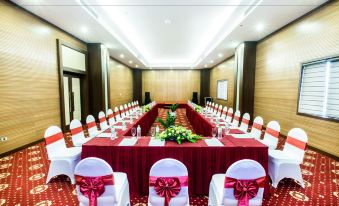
pixel 123 125
pixel 219 132
pixel 138 131
pixel 113 133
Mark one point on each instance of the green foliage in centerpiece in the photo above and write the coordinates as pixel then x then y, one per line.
pixel 174 107
pixel 147 108
pixel 197 109
pixel 178 134
pixel 170 120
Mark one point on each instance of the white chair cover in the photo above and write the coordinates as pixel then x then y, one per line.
pixel 102 121
pixel 122 112
pixel 256 127
pixel 63 159
pixel 117 114
pixel 245 169
pixel 229 115
pixel 78 136
pixel 110 115
pixel 129 107
pixel 244 122
pixel 271 136
pixel 215 109
pixel 126 110
pixel 219 110
pixel 169 168
pixel 116 194
pixel 224 113
pixel 236 119
pixel 91 126
pixel 286 163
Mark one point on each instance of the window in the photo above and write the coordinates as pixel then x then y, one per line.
pixel 319 89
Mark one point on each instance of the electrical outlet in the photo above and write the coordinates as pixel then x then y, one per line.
pixel 3 139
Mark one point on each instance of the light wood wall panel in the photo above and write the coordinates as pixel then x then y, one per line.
pixel 29 88
pixel 170 85
pixel 121 83
pixel 278 65
pixel 224 70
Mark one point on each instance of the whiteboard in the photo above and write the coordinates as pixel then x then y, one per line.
pixel 222 89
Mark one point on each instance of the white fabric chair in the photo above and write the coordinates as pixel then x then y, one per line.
pixel 212 107
pixel 91 126
pixel 116 194
pixel 78 136
pixel 244 122
pixel 126 110
pixel 133 107
pixel 224 113
pixel 256 127
pixel 63 159
pixel 215 109
pixel 110 115
pixel 219 111
pixel 271 136
pixel 241 170
pixel 122 112
pixel 169 168
pixel 236 119
pixel 102 121
pixel 286 163
pixel 229 115
pixel 129 108
pixel 117 114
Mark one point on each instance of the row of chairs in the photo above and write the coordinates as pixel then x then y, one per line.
pixel 168 183
pixel 64 159
pixel 282 163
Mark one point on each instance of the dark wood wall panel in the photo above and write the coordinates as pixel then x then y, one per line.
pixel 205 75
pixel 29 88
pixel 137 85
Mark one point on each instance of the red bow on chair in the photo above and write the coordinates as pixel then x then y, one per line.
pixel 168 187
pixel 93 187
pixel 244 190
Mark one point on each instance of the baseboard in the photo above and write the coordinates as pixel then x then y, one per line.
pixel 21 148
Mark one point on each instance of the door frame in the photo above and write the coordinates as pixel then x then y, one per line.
pixel 82 75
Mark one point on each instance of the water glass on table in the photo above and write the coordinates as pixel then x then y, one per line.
pixel 214 132
pixel 134 132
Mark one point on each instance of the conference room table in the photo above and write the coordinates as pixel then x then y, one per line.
pixel 201 160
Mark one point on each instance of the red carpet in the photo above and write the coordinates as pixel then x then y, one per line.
pixel 23 176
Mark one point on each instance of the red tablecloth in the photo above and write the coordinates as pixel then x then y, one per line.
pixel 201 160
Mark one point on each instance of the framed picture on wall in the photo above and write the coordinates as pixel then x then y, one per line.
pixel 222 89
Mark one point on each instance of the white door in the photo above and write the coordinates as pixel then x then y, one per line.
pixel 72 98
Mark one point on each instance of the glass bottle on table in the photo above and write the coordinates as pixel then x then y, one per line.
pixel 219 132
pixel 113 133
pixel 138 131
pixel 123 125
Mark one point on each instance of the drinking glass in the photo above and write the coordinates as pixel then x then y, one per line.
pixel 134 132
pixel 153 132
pixel 227 129
pixel 214 131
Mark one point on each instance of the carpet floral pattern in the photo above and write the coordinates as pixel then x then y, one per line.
pixel 23 180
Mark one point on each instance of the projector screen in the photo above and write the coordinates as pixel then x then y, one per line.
pixel 222 89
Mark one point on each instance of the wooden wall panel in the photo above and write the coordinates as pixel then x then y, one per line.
pixel 171 85
pixel 29 87
pixel 278 71
pixel 121 83
pixel 225 70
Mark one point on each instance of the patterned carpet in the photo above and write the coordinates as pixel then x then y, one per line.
pixel 23 176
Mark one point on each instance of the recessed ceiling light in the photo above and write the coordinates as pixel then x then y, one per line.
pixel 84 29
pixel 205 65
pixel 211 61
pixel 122 56
pixel 130 61
pixel 220 55
pixel 260 27
pixel 136 66
pixel 167 21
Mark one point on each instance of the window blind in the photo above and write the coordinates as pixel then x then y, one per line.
pixel 319 89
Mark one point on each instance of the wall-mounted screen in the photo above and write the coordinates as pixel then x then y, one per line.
pixel 222 89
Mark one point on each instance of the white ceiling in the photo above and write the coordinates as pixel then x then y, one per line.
pixel 163 34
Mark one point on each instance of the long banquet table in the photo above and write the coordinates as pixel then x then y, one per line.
pixel 202 161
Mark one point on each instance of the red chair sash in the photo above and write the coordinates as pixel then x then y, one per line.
pixel 93 187
pixel 237 118
pixel 295 142
pixel 54 138
pixel 102 119
pixel 272 132
pixel 224 112
pixel 110 116
pixel 245 121
pixel 91 125
pixel 168 187
pixel 116 113
pixel 76 130
pixel 230 114
pixel 257 126
pixel 244 190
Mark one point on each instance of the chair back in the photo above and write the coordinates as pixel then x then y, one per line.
pixel 219 110
pixel 212 107
pixel 170 168
pixel 55 142
pixel 244 122
pixel 77 132
pixel 110 116
pixel 126 110
pixel 224 113
pixel 257 127
pixel 245 169
pixel 102 121
pixel 271 136
pixel 129 107
pixel 295 144
pixel 229 115
pixel 215 109
pixel 117 114
pixel 133 106
pixel 91 126
pixel 122 111
pixel 236 118
pixel 95 167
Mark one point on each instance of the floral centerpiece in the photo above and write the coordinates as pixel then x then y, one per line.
pixel 178 134
pixel 173 109
pixel 197 109
pixel 147 108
